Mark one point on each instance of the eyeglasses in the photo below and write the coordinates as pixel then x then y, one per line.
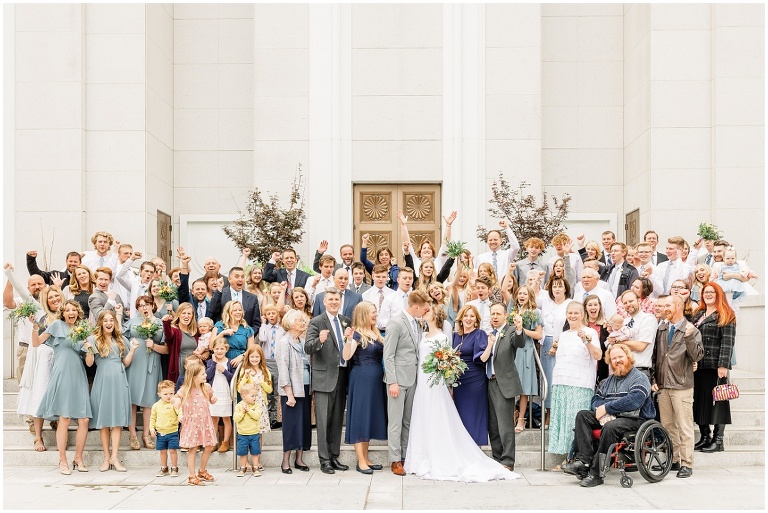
pixel 679 287
pixel 708 293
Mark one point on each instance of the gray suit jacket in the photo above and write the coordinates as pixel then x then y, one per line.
pixel 363 287
pixel 98 302
pixel 325 357
pixel 401 352
pixel 504 366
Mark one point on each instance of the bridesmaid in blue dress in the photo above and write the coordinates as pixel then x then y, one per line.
pixel 471 396
pixel 525 305
pixel 145 371
pixel 367 399
pixel 110 395
pixel 66 396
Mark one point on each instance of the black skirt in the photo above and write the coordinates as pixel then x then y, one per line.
pixel 297 425
pixel 705 410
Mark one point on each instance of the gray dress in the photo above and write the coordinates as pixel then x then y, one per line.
pixel 144 373
pixel 110 396
pixel 526 363
pixel 67 392
pixel 188 346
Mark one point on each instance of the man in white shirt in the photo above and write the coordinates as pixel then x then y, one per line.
pixel 125 258
pixel 379 291
pixel 35 285
pixel 482 303
pixel 589 285
pixel 497 257
pixel 136 285
pixel 675 268
pixel 101 257
pixel 398 301
pixel 642 327
pixel 321 281
pixel 646 269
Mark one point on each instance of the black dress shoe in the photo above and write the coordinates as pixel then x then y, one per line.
pixel 590 481
pixel 275 425
pixel 303 468
pixel 675 466
pixel 576 468
pixel 286 470
pixel 376 467
pixel 326 468
pixel 337 465
pixel 367 471
pixel 685 472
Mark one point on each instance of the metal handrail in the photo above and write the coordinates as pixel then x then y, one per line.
pixel 233 394
pixel 12 345
pixel 543 395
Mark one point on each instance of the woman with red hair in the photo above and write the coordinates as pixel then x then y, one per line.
pixel 717 323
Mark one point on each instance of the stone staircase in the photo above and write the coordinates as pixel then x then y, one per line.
pixel 744 440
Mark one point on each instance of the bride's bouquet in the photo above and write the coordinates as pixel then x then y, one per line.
pixel 443 365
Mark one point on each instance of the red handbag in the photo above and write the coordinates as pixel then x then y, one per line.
pixel 725 392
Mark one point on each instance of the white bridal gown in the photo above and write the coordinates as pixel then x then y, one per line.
pixel 439 447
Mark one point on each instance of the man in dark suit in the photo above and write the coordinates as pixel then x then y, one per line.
pixel 652 238
pixel 235 292
pixel 73 260
pixel 329 378
pixel 357 282
pixel 199 296
pixel 349 298
pixel 294 277
pixel 619 274
pixel 504 384
pixel 347 253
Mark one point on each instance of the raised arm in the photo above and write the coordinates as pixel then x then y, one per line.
pixel 514 245
pixel 16 284
pixel 32 267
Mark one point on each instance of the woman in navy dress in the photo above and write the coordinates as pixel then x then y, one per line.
pixel 367 399
pixel 66 396
pixel 471 396
pixel 110 395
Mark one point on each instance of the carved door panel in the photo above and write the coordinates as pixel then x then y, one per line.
pixel 632 227
pixel 376 208
pixel 164 238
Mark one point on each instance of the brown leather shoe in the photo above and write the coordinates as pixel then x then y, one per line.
pixel 397 468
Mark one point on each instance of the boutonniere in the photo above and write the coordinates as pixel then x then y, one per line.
pixel 500 334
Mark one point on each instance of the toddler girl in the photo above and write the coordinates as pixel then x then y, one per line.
pixel 254 371
pixel 728 275
pixel 204 328
pixel 219 374
pixel 619 332
pixel 193 399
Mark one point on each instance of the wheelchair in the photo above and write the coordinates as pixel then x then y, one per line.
pixel 647 450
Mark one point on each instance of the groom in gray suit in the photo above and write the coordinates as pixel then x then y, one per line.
pixel 401 361
pixel 504 384
pixel 329 378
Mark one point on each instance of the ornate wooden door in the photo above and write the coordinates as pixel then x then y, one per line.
pixel 164 238
pixel 376 208
pixel 632 227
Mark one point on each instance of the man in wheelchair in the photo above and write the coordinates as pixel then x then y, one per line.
pixel 622 403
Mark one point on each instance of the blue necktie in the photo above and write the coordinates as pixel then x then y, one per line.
pixel 272 341
pixel 337 329
pixel 671 334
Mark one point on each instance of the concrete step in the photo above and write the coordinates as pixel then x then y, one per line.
pixel 19 435
pixel 748 381
pixel 744 417
pixel 749 401
pixel 10 385
pixel 525 457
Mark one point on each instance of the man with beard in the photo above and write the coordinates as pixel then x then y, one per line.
pixel 622 403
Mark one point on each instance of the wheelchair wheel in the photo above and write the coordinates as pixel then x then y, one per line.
pixel 653 451
pixel 626 482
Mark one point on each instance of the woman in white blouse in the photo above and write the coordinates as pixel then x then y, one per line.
pixel 573 379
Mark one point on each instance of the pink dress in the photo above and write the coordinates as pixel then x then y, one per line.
pixel 196 425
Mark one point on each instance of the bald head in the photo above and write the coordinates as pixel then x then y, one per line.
pixel 35 284
pixel 341 278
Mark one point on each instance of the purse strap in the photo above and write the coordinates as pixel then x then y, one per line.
pixel 722 381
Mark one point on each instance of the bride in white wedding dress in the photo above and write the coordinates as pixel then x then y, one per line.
pixel 439 447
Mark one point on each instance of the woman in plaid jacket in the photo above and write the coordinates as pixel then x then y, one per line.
pixel 717 323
